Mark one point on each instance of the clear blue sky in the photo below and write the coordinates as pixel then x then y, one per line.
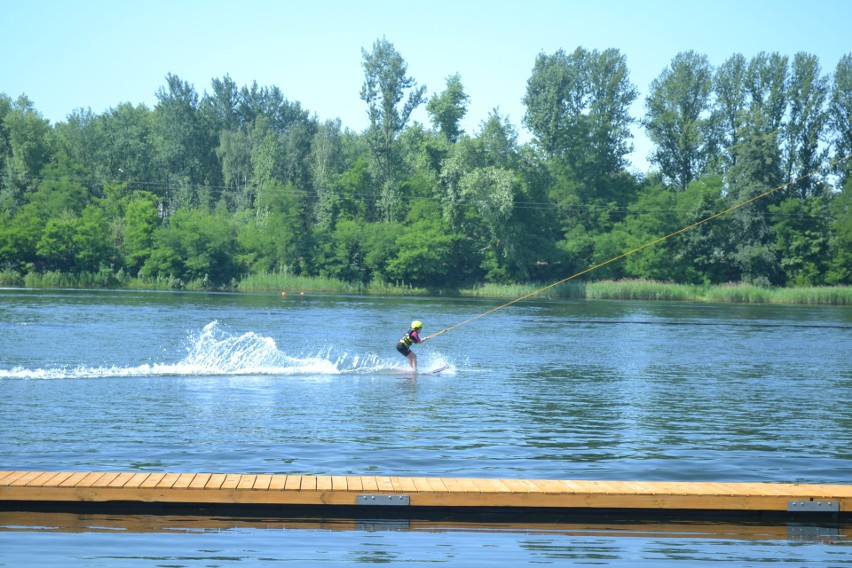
pixel 69 54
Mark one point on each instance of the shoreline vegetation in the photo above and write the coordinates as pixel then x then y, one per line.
pixel 289 284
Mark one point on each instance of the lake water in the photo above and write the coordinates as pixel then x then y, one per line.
pixel 261 383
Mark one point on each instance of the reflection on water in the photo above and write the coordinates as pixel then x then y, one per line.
pixel 817 530
pixel 187 540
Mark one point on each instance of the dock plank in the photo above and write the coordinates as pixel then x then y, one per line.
pixel 45 478
pixel 26 478
pixel 369 484
pixel 121 480
pixel 136 480
pixel 231 481
pixel 262 483
pixel 216 480
pixel 200 481
pixel 277 482
pixel 437 485
pixel 404 484
pixel 90 479
pixel 168 481
pixel 354 483
pixel 4 475
pixel 73 479
pixel 152 480
pixel 106 479
pixel 518 485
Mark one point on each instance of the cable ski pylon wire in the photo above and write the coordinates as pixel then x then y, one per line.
pixel 637 249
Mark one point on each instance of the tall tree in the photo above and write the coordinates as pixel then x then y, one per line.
pixel 806 125
pixel 222 104
pixel 766 84
pixel 234 153
pixel 555 100
pixel 729 111
pixel 185 144
pixel 448 108
pixel 802 238
pixel 840 240
pixel 325 162
pixel 840 118
pixel 577 108
pixel 128 153
pixel 385 87
pixel 752 239
pixel 30 144
pixel 678 118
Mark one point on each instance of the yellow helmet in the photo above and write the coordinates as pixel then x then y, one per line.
pixel 416 324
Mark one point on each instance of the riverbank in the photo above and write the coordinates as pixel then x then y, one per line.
pixel 592 290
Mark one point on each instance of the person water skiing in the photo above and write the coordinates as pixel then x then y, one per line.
pixel 411 337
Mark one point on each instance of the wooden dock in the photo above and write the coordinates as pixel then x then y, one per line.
pixel 25 489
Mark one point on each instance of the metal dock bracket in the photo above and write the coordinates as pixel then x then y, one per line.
pixel 384 500
pixel 812 506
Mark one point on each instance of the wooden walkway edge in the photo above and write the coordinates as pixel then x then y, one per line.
pixel 211 489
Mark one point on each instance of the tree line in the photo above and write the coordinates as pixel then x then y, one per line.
pixel 211 187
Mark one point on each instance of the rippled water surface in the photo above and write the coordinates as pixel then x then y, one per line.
pixel 312 384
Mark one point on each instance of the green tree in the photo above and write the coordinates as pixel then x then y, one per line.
pixel 115 146
pixel 59 190
pixel 30 144
pixel 140 224
pixel 428 249
pixel 274 237
pixel 19 235
pixel 495 196
pixel 654 214
pixel 802 236
pixel 448 108
pixel 840 118
pixel 128 154
pixel 758 170
pixel 92 241
pixel 678 119
pixel 555 99
pixel 184 144
pixel 729 111
pixel 577 108
pixel 704 253
pixel 840 237
pixel 234 153
pixel 55 247
pixel 766 84
pixel 350 188
pixel 344 253
pixel 5 148
pixel 194 246
pixel 221 105
pixel 385 87
pixel 806 125
pixel 325 163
